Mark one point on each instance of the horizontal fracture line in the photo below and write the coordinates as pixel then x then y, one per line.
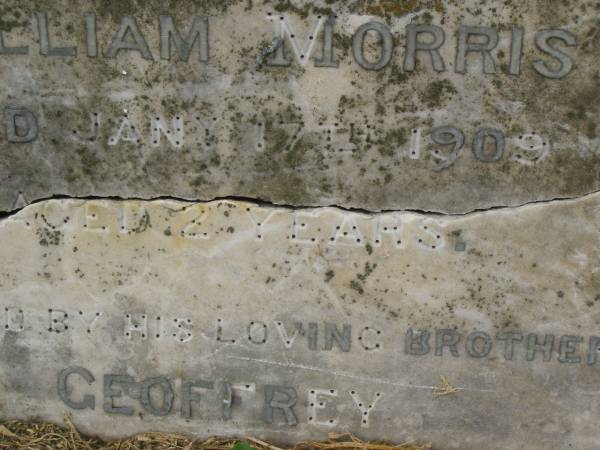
pixel 270 204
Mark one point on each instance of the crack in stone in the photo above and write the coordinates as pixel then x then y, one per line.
pixel 269 204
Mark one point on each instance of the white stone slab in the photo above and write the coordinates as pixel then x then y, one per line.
pixel 308 310
pixel 96 102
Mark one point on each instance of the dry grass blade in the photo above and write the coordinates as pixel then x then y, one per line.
pixel 38 436
pixel 6 432
pixel 45 436
pixel 351 442
pixel 445 388
pixel 263 444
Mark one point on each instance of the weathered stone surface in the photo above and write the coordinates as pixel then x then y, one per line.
pixel 94 102
pixel 144 297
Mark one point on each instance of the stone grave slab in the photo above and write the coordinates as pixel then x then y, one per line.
pixel 233 318
pixel 446 106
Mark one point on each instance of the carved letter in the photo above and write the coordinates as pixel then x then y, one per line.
pixel 15 319
pixel 416 343
pixel 364 408
pixel 509 345
pixel 46 48
pixel 465 47
pixel 20 124
pixel 188 396
pixel 57 320
pixel 568 348
pixel 128 26
pixel 328 57
pixel 486 344
pixel 11 50
pixel 446 338
pixel 288 340
pixel 136 325
pixel 169 33
pixel 110 393
pixel 302 54
pixel 387 45
pixel 593 349
pixel 516 51
pixel 282 398
pixel 91 39
pixel 344 339
pixel 316 402
pixel 479 149
pixel 167 396
pixel 64 391
pixel 220 333
pixel 257 332
pixel 313 335
pixel 533 346
pixel 566 62
pixel 228 395
pixel 413 45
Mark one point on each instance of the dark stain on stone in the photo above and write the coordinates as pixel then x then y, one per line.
pixel 17 359
pixel 48 237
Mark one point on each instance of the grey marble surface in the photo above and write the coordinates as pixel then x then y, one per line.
pixel 229 318
pixel 371 105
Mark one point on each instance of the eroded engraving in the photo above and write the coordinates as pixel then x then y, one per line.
pixel 20 125
pixel 225 117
